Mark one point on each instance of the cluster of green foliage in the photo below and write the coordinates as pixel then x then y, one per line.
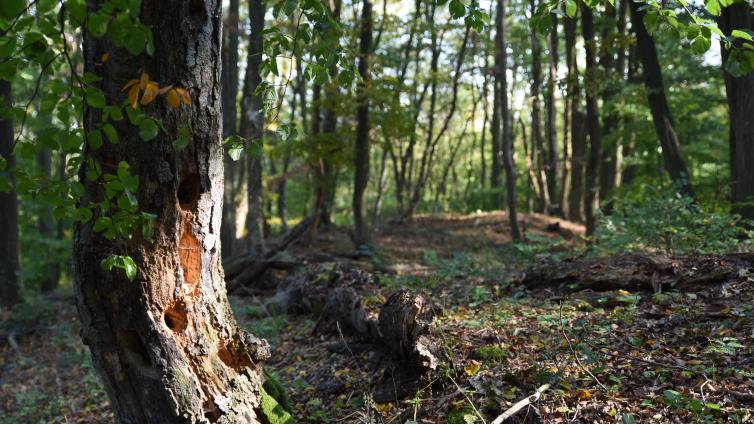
pixel 666 221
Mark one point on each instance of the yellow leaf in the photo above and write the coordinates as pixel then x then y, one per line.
pixel 624 292
pixel 583 394
pixel 104 57
pixel 129 84
pixel 472 368
pixel 164 90
pixel 144 80
pixel 174 100
pixel 133 95
pixel 185 97
pixel 149 93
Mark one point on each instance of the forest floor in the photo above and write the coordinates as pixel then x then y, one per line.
pixel 608 356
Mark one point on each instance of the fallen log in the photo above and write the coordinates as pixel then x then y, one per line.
pixel 400 328
pixel 640 271
pixel 243 269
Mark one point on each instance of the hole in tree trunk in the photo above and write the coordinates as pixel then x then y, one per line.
pixel 176 317
pixel 188 192
pixel 234 357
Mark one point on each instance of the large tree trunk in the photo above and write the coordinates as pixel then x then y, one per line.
pixel 361 147
pixel 9 265
pixel 591 200
pixel 166 344
pixel 740 93
pixel 501 62
pixel 229 98
pixel 552 169
pixel 252 126
pixel 658 104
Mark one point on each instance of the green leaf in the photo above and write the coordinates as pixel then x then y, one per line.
pixel 701 44
pixel 110 133
pixel 9 9
pixel 741 34
pixel 652 22
pixel 235 151
pixel 97 24
pixel 94 138
pixel 184 136
pixel 129 267
pixel 94 98
pixel 713 7
pixel 148 129
pixel 570 8
pixel 135 41
pixel 456 8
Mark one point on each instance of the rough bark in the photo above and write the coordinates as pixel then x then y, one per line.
pixel 229 99
pixel 501 62
pixel 740 94
pixel 640 271
pixel 10 286
pixel 591 200
pixel 658 104
pixel 166 344
pixel 252 126
pixel 361 146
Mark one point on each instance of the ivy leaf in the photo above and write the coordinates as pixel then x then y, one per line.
pixel 129 267
pixel 148 129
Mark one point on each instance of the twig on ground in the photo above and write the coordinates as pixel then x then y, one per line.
pixel 575 355
pixel 476 411
pixel 521 404
pixel 343 339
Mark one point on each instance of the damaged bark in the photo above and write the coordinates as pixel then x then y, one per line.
pixel 166 344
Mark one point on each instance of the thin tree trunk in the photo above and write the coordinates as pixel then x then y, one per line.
pixel 611 121
pixel 537 139
pixel 361 147
pixel 552 169
pixel 658 104
pixel 229 99
pixel 501 66
pixel 48 229
pixel 496 168
pixel 740 94
pixel 591 200
pixel 252 127
pixel 166 344
pixel 578 133
pixel 10 286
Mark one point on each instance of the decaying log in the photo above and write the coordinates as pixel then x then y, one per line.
pixel 244 269
pixel 641 271
pixel 400 328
